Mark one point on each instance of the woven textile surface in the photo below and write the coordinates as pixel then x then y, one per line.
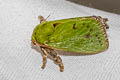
pixel 18 61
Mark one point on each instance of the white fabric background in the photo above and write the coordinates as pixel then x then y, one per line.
pixel 18 61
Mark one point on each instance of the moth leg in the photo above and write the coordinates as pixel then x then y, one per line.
pixel 56 59
pixel 42 19
pixel 45 54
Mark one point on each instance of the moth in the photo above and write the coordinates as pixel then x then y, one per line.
pixel 80 35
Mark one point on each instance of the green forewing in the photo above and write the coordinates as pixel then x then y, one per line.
pixel 83 35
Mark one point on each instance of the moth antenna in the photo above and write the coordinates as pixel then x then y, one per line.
pixel 41 18
pixel 47 17
pixel 50 14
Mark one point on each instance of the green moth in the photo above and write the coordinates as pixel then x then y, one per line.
pixel 80 35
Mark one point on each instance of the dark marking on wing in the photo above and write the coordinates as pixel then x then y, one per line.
pixel 87 36
pixel 56 24
pixel 96 35
pixel 87 26
pixel 74 27
pixel 83 24
pixel 99 41
pixel 91 30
